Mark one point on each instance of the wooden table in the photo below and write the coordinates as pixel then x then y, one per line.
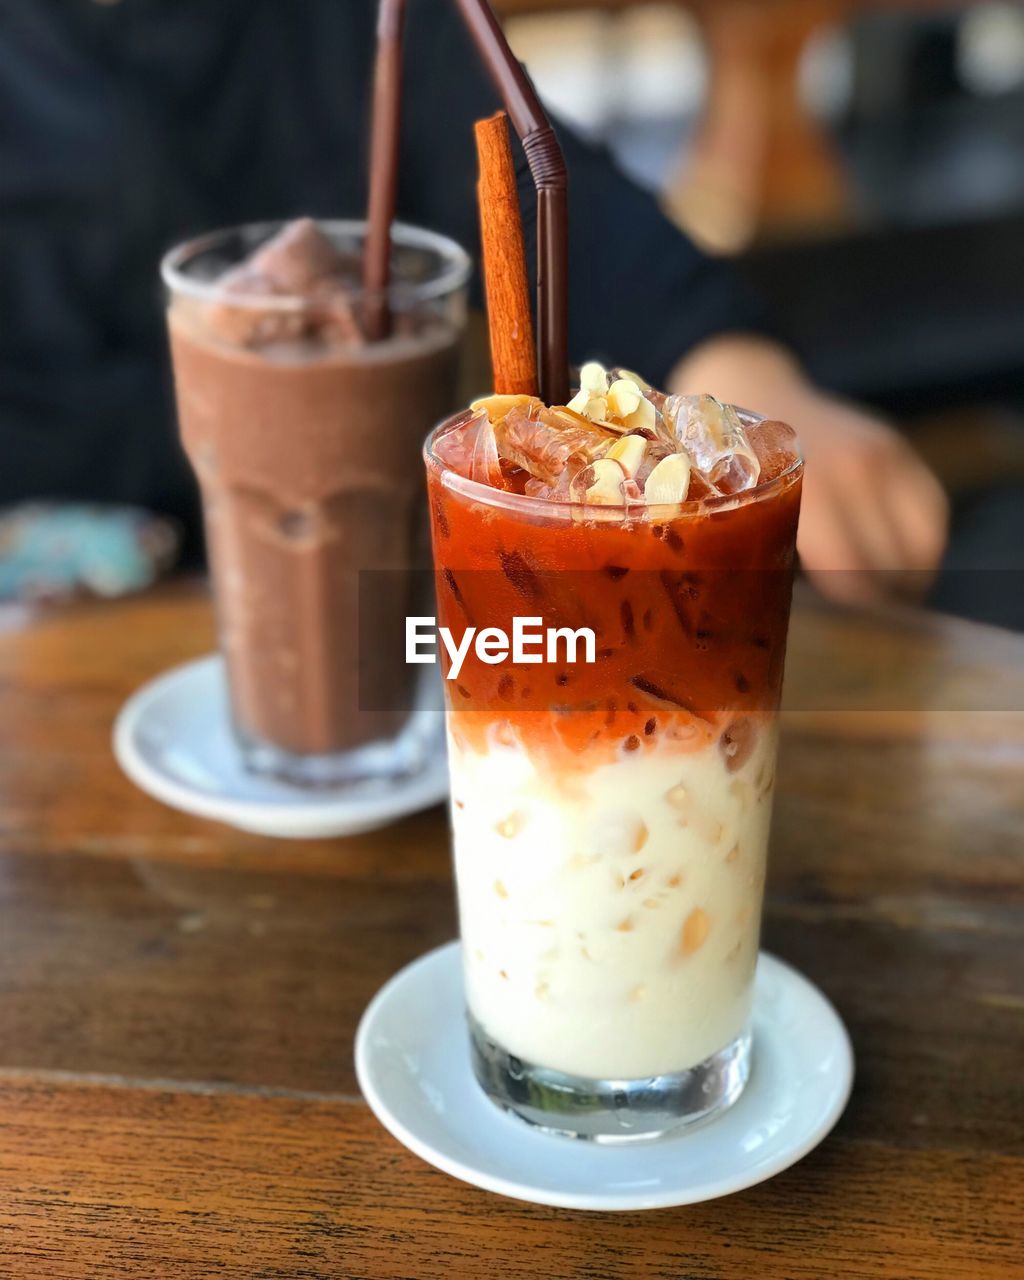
pixel 178 1001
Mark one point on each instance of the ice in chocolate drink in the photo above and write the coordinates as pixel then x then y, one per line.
pixel 611 818
pixel 305 438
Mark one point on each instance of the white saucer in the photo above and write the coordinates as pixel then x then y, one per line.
pixel 412 1060
pixel 173 739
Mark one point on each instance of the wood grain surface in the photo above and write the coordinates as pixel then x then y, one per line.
pixel 178 1000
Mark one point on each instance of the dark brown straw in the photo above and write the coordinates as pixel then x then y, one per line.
pixel 384 138
pixel 547 166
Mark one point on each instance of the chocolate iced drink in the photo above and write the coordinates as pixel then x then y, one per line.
pixel 306 442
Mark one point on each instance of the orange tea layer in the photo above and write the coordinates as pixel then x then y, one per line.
pixel 683 575
pixel 611 820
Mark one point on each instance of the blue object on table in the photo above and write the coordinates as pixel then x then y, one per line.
pixel 60 550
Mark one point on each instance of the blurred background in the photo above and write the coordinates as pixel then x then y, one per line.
pixel 861 163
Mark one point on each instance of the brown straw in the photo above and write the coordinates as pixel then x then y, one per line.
pixel 384 138
pixel 544 156
pixel 501 233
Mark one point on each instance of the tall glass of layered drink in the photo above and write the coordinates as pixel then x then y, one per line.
pixel 611 818
pixel 305 438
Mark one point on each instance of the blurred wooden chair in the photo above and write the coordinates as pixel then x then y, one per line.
pixel 761 162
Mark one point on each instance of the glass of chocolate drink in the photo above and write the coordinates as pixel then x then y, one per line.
pixel 611 817
pixel 305 438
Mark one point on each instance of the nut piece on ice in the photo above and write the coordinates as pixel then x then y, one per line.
pixel 593 378
pixel 669 481
pixel 628 452
pixel 624 398
pixel 591 400
pixel 496 407
pixel 600 484
pixel 643 417
pixel 589 406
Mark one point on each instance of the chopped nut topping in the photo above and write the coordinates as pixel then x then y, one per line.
pixel 628 453
pixel 606 490
pixel 624 397
pixel 669 481
pixel 593 378
pixel 594 408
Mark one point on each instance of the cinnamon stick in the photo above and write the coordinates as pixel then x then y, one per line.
pixel 504 256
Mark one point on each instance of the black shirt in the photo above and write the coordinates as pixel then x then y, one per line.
pixel 125 127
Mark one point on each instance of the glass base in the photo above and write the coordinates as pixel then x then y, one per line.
pixel 396 760
pixel 609 1111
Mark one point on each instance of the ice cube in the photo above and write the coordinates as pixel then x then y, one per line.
pixel 699 488
pixel 632 494
pixel 713 435
pixel 737 743
pixel 545 442
pixel 558 492
pixel 244 280
pixel 480 458
pixel 297 258
pixel 245 323
pixel 484 466
pixel 468 447
pixel 776 446
pixel 617 834
pixel 333 319
pixel 301 267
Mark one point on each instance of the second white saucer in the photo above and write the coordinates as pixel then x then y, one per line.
pixel 412 1060
pixel 173 739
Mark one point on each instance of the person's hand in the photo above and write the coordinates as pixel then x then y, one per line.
pixel 873 519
